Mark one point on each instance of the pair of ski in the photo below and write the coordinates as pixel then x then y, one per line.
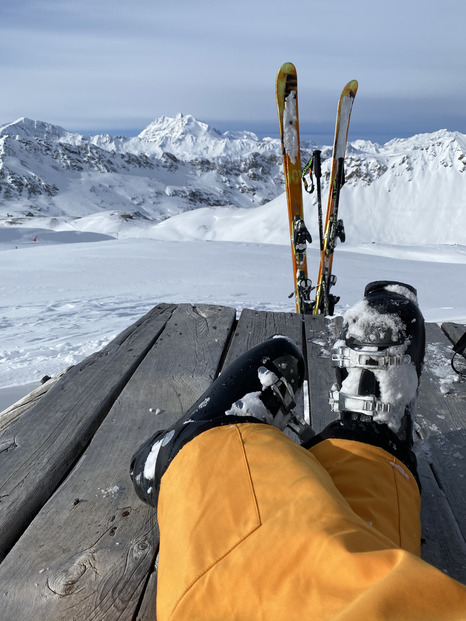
pixel 332 229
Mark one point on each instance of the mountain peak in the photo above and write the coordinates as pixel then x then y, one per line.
pixel 28 128
pixel 178 128
pixel 184 134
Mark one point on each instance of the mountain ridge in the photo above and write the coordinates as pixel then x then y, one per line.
pixel 177 165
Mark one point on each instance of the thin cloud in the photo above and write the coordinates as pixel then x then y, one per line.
pixel 89 65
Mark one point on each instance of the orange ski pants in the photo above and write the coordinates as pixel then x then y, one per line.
pixel 253 526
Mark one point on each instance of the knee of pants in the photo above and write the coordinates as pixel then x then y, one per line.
pixel 377 486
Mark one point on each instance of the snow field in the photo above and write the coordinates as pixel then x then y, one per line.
pixel 62 301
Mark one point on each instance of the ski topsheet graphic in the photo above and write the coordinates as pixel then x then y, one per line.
pixel 287 104
pixel 333 230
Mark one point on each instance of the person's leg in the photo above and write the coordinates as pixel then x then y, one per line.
pixel 368 452
pixel 259 386
pixel 252 526
pixel 378 487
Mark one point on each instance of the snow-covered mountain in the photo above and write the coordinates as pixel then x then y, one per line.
pixel 410 191
pixel 174 165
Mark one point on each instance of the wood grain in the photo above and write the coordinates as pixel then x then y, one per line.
pixel 441 418
pixel 38 450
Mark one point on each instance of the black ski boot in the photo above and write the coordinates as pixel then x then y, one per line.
pixel 379 359
pixel 259 386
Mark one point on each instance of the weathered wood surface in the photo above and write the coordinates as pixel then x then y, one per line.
pixel 320 335
pixel 454 331
pixel 83 546
pixel 441 426
pixel 38 450
pixel 95 560
pixel 12 413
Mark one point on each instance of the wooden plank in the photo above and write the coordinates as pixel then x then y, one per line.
pixel 97 559
pixel 256 326
pixel 321 333
pixel 148 605
pixel 441 418
pixel 13 412
pixel 454 331
pixel 443 544
pixel 38 450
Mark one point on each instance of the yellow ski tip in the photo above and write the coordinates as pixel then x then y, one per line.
pixel 287 68
pixel 351 88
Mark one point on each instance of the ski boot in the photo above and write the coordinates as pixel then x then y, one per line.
pixel 259 386
pixel 379 359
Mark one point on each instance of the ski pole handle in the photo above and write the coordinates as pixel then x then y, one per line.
pixel 317 168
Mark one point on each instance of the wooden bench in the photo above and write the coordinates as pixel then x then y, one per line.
pixel 75 541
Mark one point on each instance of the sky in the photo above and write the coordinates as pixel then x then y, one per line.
pixel 115 65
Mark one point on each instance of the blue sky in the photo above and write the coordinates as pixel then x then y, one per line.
pixel 116 65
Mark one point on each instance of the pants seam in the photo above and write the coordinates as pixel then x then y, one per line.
pixel 393 465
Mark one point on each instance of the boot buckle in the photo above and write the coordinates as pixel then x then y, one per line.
pixel 284 393
pixel 345 357
pixel 359 404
